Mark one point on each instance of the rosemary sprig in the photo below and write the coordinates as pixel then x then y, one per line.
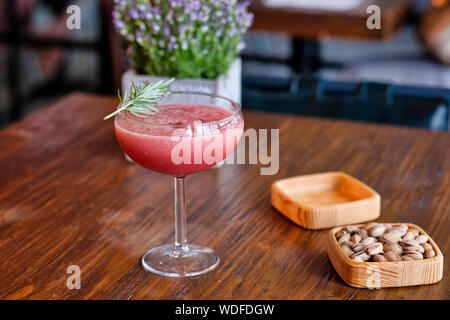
pixel 141 100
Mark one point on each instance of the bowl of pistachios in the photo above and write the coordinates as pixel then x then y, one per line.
pixel 382 255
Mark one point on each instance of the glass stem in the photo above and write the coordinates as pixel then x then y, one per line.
pixel 180 213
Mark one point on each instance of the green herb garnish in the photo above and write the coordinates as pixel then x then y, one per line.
pixel 141 100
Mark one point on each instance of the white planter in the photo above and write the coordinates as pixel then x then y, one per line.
pixel 228 85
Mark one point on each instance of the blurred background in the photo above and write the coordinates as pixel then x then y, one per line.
pixel 301 57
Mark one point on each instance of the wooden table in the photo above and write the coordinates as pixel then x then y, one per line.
pixel 67 197
pixel 308 23
pixel 307 26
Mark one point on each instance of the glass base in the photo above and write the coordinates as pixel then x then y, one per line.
pixel 176 261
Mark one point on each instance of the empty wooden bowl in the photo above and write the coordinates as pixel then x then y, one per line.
pixel 325 200
pixel 385 274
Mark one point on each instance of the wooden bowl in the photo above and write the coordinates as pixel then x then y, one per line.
pixel 385 274
pixel 325 200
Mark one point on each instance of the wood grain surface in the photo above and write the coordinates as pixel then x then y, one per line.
pixel 67 197
pixel 313 24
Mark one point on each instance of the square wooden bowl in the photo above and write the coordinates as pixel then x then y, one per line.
pixel 385 274
pixel 325 200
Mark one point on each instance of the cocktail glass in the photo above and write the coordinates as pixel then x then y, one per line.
pixel 193 132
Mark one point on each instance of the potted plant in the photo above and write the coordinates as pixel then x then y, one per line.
pixel 196 41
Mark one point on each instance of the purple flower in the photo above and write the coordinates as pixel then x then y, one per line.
pixel 116 15
pixel 165 27
pixel 240 46
pixel 172 46
pixel 156 10
pixel 166 30
pixel 155 27
pixel 176 3
pixel 194 16
pixel 139 38
pixel 250 17
pixel 147 15
pixel 133 14
pixel 118 24
pixel 121 4
pixel 196 5
pixel 123 32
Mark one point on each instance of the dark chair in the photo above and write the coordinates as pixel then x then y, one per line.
pixel 372 102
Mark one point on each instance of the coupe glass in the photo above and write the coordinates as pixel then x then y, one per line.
pixel 154 142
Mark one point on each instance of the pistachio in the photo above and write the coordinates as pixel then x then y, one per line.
pixel 414 255
pixel 422 239
pixel 340 233
pixel 369 225
pixel 347 250
pixel 359 247
pixel 355 238
pixel 374 248
pixel 348 243
pixel 351 229
pixel 410 245
pixel 393 247
pixel 430 254
pixel 368 240
pixel 377 230
pixel 411 248
pixel 426 246
pixel 399 231
pixel 409 236
pixel 391 256
pixel 379 258
pixel 391 237
pixel 406 258
pixel 380 242
pixel 363 233
pixel 343 238
pixel 360 256
pixel 409 252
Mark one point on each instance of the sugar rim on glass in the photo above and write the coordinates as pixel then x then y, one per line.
pixel 198 93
